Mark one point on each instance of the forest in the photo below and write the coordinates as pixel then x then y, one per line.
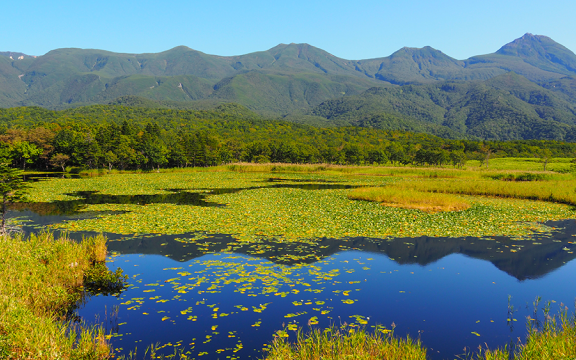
pixel 128 138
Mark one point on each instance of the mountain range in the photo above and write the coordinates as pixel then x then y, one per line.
pixel 525 90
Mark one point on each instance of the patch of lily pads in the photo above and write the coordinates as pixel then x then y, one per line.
pixel 262 212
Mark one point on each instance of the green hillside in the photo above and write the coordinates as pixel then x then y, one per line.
pixel 274 93
pixel 11 88
pixel 503 108
pixel 564 87
pixel 525 90
pixel 412 65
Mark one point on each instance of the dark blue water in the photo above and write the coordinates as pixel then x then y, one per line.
pixel 225 300
pixel 430 290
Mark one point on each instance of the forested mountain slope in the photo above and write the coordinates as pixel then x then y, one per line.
pixel 524 90
pixel 502 108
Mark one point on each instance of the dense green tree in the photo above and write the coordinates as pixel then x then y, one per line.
pixel 6 153
pixel 25 153
pixel 12 189
pixel 141 138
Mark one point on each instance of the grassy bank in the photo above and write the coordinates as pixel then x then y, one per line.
pixel 434 195
pixel 561 165
pixel 499 165
pixel 41 279
pixel 553 339
pixel 347 343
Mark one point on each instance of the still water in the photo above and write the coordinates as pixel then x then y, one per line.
pixel 216 298
pixel 452 297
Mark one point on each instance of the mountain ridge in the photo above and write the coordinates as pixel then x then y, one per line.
pixel 531 80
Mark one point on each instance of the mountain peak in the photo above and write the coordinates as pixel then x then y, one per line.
pixel 424 53
pixel 282 46
pixel 179 48
pixel 532 37
pixel 412 50
pixel 529 43
pixel 541 51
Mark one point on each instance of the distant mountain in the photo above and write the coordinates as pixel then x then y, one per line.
pixel 409 65
pixel 531 80
pixel 16 55
pixel 536 57
pixel 541 52
pixel 502 108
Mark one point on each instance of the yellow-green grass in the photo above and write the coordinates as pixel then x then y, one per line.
pixel 509 166
pixel 410 199
pixel 497 166
pixel 505 163
pixel 346 343
pixel 555 340
pixel 40 279
pixel 553 191
pixel 523 164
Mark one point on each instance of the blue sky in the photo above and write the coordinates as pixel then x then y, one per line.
pixel 347 29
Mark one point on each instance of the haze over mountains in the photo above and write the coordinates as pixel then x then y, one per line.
pixel 526 89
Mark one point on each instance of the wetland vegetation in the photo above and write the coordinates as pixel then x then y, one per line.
pixel 554 338
pixel 345 343
pixel 302 206
pixel 299 243
pixel 42 280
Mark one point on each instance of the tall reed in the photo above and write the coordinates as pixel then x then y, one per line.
pixel 40 279
pixel 554 339
pixel 410 199
pixel 345 343
pixel 554 191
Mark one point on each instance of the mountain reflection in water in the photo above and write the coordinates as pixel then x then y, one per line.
pixel 442 306
pixel 522 259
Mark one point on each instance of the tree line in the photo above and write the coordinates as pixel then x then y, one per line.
pixel 117 137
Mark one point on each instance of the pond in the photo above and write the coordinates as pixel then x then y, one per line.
pixel 215 297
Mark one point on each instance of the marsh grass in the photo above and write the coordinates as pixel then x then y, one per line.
pixel 526 176
pixel 523 164
pixel 40 280
pixel 553 339
pixel 553 191
pixel 410 199
pixel 345 343
pixel 513 169
pixel 497 167
pixel 298 168
pixel 344 169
